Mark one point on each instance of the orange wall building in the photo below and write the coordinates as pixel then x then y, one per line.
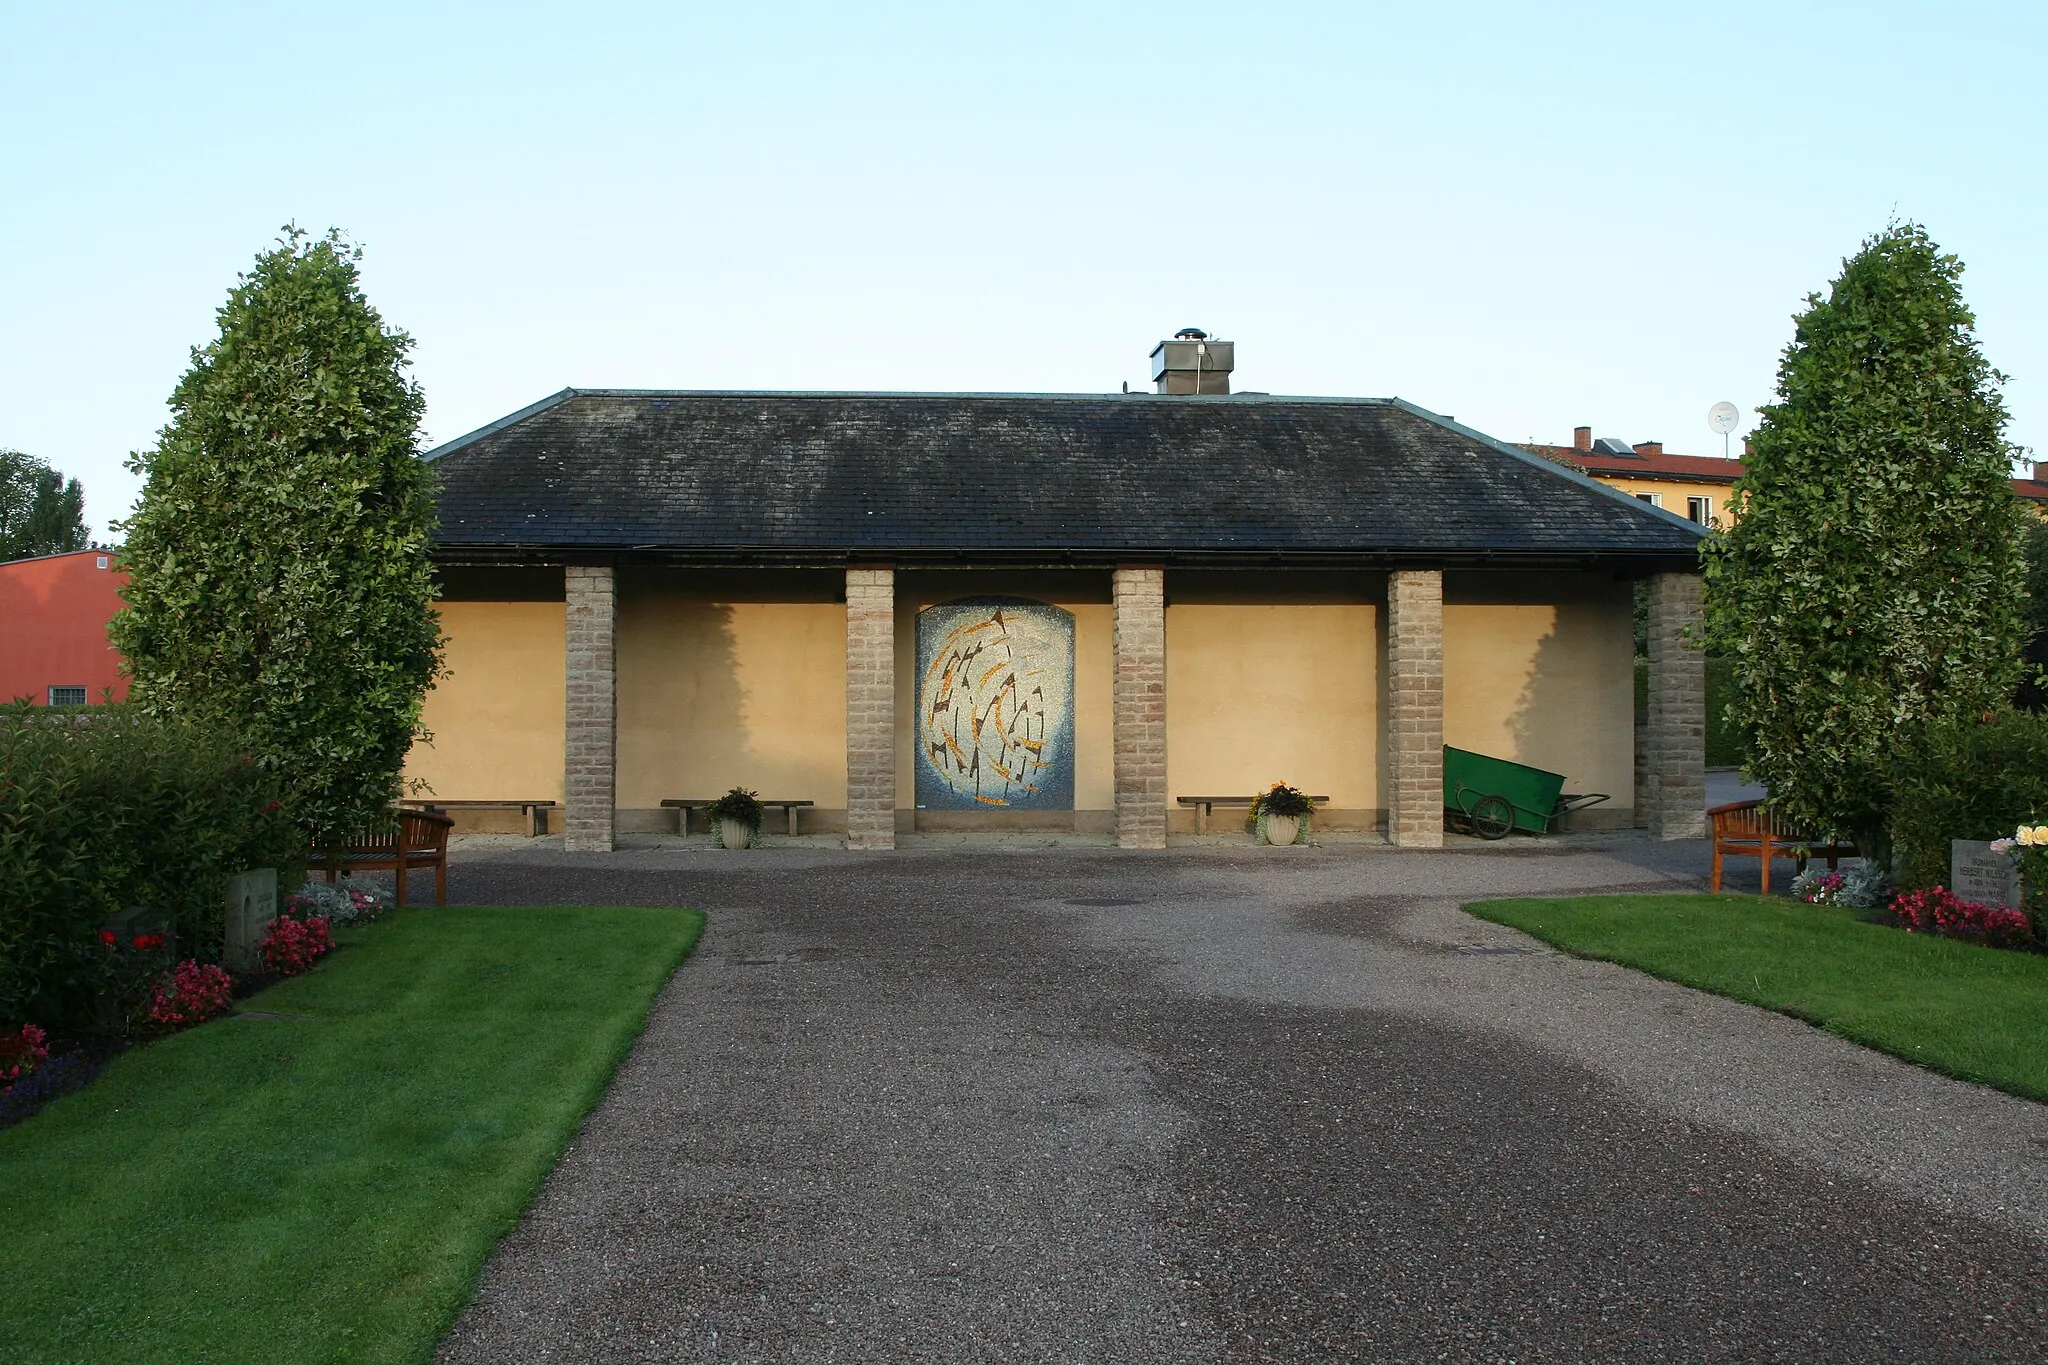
pixel 1695 486
pixel 53 629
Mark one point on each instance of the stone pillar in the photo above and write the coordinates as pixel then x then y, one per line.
pixel 1674 739
pixel 1415 708
pixel 1140 706
pixel 870 706
pixel 590 740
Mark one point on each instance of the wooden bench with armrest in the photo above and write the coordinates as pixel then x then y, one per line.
pixel 1744 829
pixel 420 840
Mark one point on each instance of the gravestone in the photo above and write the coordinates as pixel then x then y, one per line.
pixel 1975 873
pixel 252 905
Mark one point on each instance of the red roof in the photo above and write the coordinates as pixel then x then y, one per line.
pixel 1698 468
pixel 1686 468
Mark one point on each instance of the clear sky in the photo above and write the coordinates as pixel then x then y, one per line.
pixel 1527 216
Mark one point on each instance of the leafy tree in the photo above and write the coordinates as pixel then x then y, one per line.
pixel 278 559
pixel 2033 693
pixel 1872 584
pixel 41 512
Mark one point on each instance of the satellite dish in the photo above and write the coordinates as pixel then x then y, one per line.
pixel 1722 417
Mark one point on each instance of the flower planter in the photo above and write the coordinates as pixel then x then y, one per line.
pixel 1282 829
pixel 735 833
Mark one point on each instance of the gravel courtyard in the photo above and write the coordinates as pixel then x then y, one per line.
pixel 1236 1104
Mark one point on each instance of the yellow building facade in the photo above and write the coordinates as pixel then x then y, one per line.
pixel 961 613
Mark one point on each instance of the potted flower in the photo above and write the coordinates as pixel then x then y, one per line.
pixel 738 814
pixel 1280 816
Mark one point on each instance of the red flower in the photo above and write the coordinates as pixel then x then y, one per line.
pixel 21 1053
pixel 190 995
pixel 107 937
pixel 291 945
pixel 147 941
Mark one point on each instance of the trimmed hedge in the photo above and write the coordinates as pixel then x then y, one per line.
pixel 105 809
pixel 1973 780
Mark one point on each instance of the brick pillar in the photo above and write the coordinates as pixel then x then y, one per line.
pixel 591 736
pixel 870 706
pixel 1140 706
pixel 1674 739
pixel 1415 708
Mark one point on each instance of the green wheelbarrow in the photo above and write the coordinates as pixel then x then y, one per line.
pixel 1494 797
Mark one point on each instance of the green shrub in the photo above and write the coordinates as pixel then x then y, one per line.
pixel 1969 780
pixel 106 809
pixel 738 804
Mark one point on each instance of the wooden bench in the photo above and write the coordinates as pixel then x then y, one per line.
pixel 1203 806
pixel 536 812
pixel 1744 829
pixel 421 840
pixel 686 806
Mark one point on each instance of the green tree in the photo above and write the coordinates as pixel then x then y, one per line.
pixel 41 512
pixel 2033 693
pixel 278 562
pixel 1873 582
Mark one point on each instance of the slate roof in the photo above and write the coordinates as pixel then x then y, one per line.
pixel 769 477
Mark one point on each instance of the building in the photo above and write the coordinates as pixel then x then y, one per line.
pixel 1697 487
pixel 53 629
pixel 1026 611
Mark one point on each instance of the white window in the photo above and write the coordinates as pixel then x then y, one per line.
pixel 67 696
pixel 1700 510
pixel 1654 499
pixel 102 562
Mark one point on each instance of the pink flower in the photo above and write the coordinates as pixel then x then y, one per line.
pixel 191 994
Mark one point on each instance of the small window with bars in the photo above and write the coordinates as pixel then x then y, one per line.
pixel 67 696
pixel 1700 510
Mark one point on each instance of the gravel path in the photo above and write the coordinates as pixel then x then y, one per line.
pixel 1227 1104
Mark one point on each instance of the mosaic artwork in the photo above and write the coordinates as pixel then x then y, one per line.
pixel 995 689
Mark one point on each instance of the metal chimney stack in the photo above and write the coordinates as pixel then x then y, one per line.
pixel 1191 363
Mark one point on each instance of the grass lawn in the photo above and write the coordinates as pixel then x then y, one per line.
pixel 326 1186
pixel 1977 1013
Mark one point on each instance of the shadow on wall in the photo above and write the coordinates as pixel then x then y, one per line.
pixel 1571 718
pixel 682 707
pixel 1543 692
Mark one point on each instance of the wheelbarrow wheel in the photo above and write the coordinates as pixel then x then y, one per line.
pixel 1492 817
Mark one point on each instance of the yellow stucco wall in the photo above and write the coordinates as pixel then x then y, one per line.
pixel 1538 668
pixel 497 717
pixel 717 690
pixel 740 678
pixel 1264 693
pixel 1086 595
